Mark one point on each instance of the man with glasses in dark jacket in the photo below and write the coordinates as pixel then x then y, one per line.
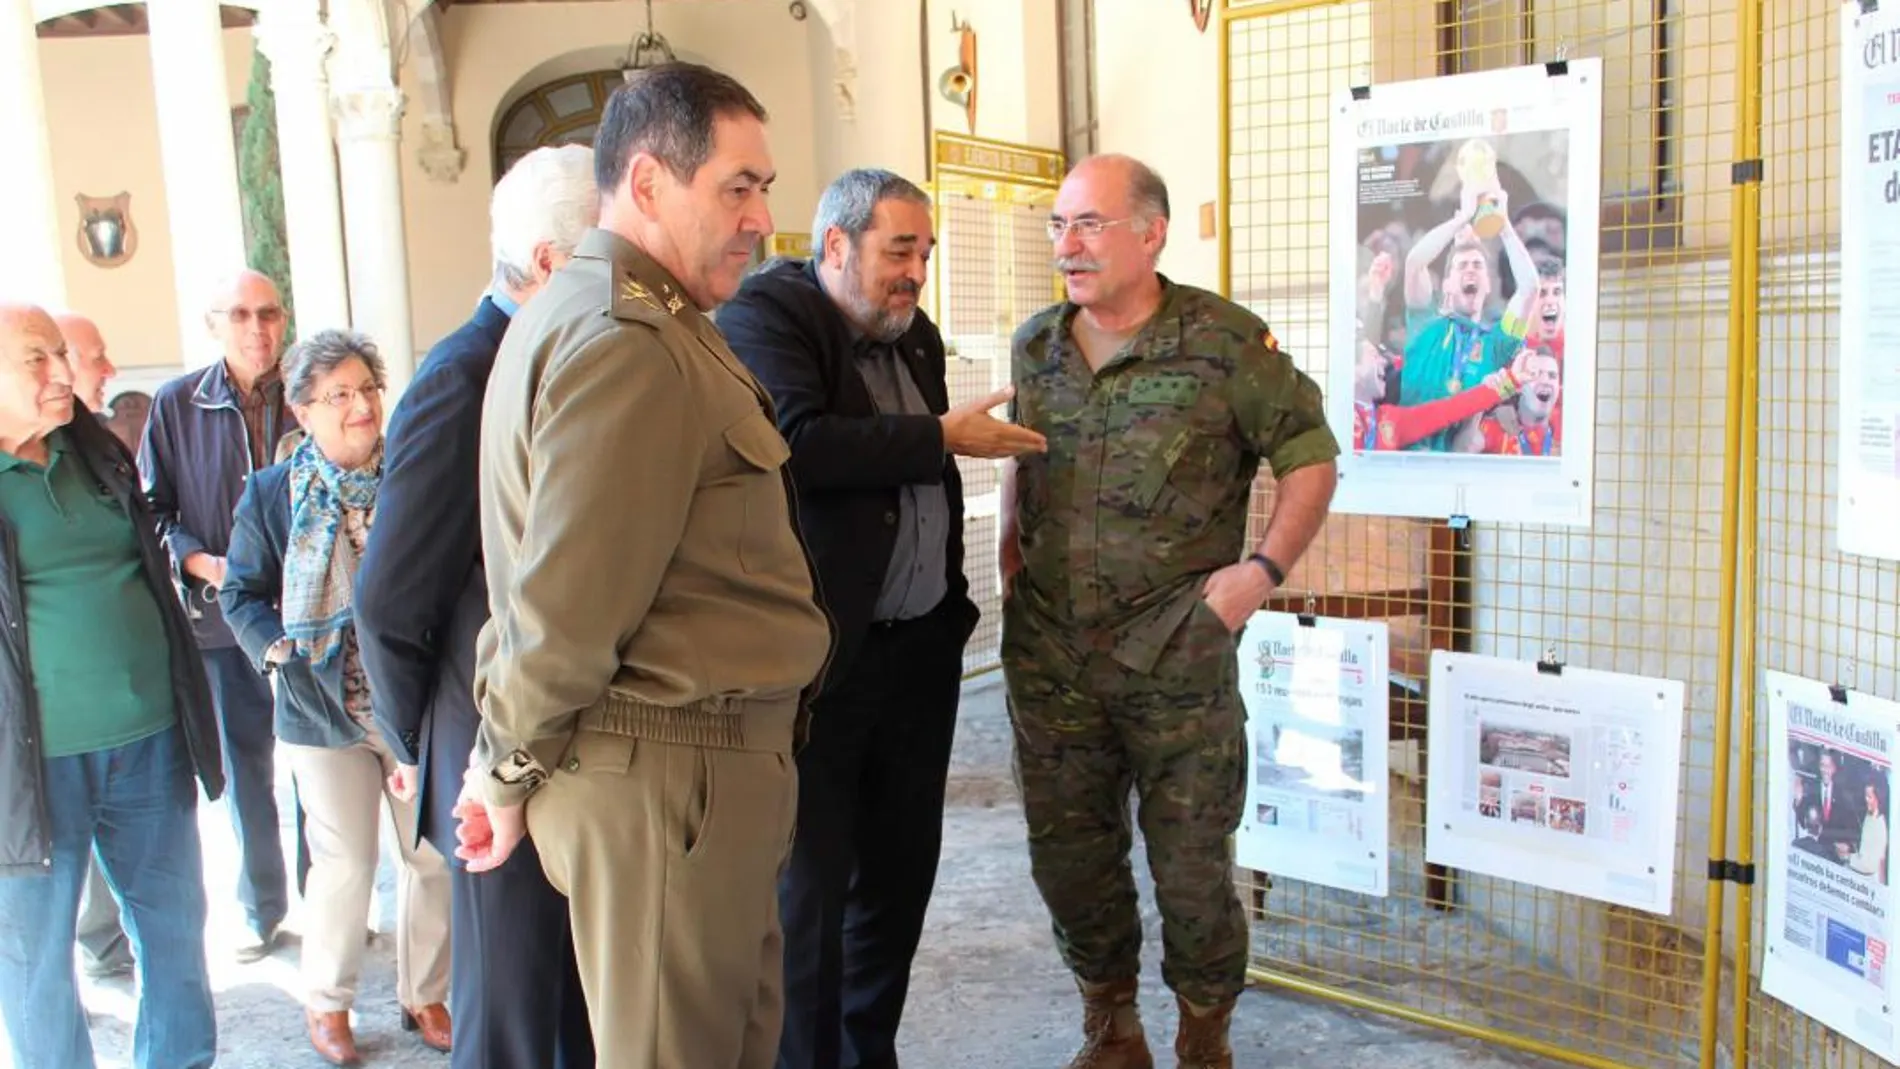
pixel 105 720
pixel 209 430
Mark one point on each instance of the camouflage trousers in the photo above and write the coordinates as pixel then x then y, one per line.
pixel 1088 730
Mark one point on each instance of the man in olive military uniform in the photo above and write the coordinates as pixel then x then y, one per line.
pixel 654 615
pixel 1122 557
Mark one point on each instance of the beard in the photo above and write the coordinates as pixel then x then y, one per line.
pixel 882 323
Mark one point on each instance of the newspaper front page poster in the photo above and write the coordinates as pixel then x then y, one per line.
pixel 1869 351
pixel 1464 238
pixel 1830 908
pixel 1316 784
pixel 1565 781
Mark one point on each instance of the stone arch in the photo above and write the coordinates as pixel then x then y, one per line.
pixel 557 102
pixel 560 112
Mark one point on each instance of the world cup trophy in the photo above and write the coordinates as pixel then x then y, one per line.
pixel 1478 170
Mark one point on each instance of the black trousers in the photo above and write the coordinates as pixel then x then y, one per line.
pixel 870 828
pixel 514 993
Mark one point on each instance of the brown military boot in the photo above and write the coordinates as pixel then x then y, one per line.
pixel 1201 1042
pixel 1111 1028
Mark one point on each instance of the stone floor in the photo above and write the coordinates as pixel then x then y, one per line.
pixel 988 993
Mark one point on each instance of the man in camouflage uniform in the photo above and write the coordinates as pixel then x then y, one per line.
pixel 1122 558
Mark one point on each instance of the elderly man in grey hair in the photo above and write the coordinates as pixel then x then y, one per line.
pixel 857 374
pixel 422 599
pixel 208 431
pixel 103 728
pixel 104 950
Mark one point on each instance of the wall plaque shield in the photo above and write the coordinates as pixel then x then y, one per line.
pixel 107 236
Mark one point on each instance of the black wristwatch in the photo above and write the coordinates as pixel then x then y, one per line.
pixel 1266 565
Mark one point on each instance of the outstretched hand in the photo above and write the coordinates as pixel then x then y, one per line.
pixel 970 431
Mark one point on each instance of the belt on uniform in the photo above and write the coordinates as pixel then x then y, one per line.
pixel 764 725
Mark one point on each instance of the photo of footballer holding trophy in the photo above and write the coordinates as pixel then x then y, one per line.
pixel 1469 205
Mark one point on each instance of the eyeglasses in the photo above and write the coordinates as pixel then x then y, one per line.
pixel 1084 228
pixel 345 396
pixel 268 315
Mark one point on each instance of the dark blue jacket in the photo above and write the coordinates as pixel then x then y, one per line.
pixel 24 844
pixel 421 593
pixel 309 700
pixel 194 459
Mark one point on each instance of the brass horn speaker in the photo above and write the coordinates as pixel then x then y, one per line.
pixel 955 84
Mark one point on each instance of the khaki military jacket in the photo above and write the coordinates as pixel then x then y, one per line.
pixel 636 528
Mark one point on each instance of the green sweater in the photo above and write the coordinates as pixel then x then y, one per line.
pixel 95 637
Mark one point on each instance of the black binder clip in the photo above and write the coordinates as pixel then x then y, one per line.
pixel 1558 65
pixel 1308 618
pixel 1838 693
pixel 1362 92
pixel 1549 664
pixel 1868 7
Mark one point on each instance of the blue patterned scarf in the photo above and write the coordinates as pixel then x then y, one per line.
pixel 319 563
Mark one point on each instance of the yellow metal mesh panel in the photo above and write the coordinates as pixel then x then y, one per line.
pixel 991 271
pixel 1638 591
pixel 1820 614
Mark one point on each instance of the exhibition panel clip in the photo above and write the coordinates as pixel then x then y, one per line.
pixel 1549 664
pixel 1840 691
pixel 1560 65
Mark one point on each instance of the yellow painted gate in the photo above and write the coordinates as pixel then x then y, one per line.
pixel 1711 556
pixel 991 272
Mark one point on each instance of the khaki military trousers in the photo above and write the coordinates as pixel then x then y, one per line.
pixel 669 855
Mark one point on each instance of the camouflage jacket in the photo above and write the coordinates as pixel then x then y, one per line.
pixel 1151 462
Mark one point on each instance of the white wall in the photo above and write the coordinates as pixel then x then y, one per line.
pixel 103 126
pixel 885 123
pixel 1157 98
pixel 1018 97
pixel 498 52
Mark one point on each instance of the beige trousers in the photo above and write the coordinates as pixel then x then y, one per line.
pixel 669 856
pixel 343 792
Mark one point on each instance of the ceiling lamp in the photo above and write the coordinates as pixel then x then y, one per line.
pixel 648 49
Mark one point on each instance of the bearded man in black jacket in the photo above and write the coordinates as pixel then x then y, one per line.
pixel 857 374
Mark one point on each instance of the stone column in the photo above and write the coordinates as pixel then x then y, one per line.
pixel 297 43
pixel 32 268
pixel 368 122
pixel 199 156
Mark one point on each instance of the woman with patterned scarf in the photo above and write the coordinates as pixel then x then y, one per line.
pixel 288 592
